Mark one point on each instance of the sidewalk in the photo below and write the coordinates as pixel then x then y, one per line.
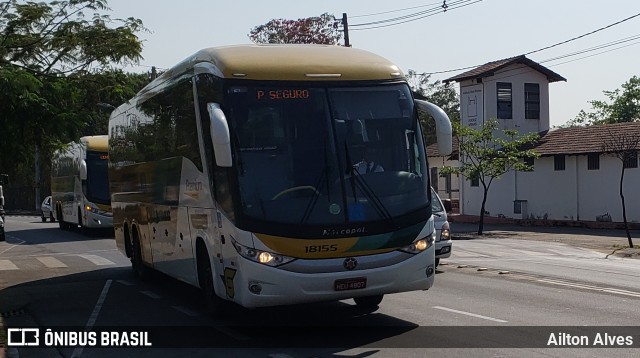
pixel 609 241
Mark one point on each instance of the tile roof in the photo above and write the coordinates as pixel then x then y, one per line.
pixel 432 149
pixel 570 140
pixel 584 140
pixel 490 68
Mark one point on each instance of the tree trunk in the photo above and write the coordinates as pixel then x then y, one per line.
pixel 484 201
pixel 624 209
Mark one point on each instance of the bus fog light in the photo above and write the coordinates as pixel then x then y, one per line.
pixel 255 288
pixel 430 270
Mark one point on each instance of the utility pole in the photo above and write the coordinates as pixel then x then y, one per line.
pixel 345 27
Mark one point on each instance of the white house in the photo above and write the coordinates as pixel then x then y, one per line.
pixel 575 179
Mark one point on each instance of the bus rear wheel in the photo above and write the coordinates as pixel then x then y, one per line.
pixel 368 302
pixel 63 225
pixel 138 267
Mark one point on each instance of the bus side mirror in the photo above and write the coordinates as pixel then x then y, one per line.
pixel 220 135
pixel 443 125
pixel 83 170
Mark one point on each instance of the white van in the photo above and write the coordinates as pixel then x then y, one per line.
pixel 443 232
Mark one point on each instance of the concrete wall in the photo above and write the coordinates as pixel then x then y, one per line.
pixel 571 194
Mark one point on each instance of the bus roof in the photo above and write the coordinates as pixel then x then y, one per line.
pixel 292 62
pixel 96 143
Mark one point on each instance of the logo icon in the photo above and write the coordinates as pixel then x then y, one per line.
pixel 350 263
pixel 23 337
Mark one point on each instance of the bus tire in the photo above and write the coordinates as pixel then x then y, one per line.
pixel 214 305
pixel 137 265
pixel 368 302
pixel 61 223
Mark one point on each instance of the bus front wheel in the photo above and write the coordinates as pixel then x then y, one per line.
pixel 368 302
pixel 215 305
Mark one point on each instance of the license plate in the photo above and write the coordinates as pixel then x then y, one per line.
pixel 350 284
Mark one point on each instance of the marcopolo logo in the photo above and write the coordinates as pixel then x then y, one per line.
pixel 19 337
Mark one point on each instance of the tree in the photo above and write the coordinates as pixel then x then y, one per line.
pixel 48 53
pixel 624 106
pixel 438 93
pixel 624 146
pixel 321 29
pixel 485 155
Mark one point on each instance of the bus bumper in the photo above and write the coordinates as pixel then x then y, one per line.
pixel 256 285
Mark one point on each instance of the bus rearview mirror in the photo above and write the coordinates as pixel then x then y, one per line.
pixel 83 170
pixel 443 125
pixel 220 135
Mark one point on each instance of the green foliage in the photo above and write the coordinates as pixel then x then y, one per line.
pixel 55 60
pixel 65 36
pixel 438 93
pixel 310 30
pixel 486 154
pixel 622 106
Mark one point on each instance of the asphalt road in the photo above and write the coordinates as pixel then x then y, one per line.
pixel 51 278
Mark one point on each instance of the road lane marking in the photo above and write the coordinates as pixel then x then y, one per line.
pixel 94 315
pixel 7 265
pixel 51 262
pixel 470 314
pixel 12 245
pixel 590 287
pixel 97 260
pixel 153 295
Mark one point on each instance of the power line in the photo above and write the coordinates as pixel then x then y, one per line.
pixel 413 17
pixel 398 10
pixel 544 48
pixel 441 8
pixel 583 35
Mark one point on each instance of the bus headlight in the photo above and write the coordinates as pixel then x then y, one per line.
pixel 420 245
pixel 91 209
pixel 262 257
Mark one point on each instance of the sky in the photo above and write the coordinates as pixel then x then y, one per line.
pixel 477 32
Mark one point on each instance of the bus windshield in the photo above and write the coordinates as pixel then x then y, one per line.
pixel 322 155
pixel 97 178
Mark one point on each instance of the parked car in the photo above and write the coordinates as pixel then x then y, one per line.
pixel 443 231
pixel 46 209
pixel 2 237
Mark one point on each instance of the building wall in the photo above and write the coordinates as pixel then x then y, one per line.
pixel 517 75
pixel 571 194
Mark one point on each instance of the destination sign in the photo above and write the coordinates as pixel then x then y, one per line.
pixel 282 94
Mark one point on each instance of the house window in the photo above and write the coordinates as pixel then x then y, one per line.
pixel 475 181
pixel 530 161
pixel 631 161
pixel 593 161
pixel 532 101
pixel 504 100
pixel 558 162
